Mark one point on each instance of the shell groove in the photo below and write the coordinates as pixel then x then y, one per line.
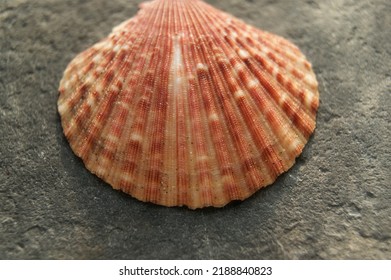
pixel 184 104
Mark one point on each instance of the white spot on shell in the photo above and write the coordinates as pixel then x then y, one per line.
pixel 202 158
pixel 66 84
pixel 73 80
pixel 99 45
pixel 109 45
pixel 126 177
pixel 101 168
pixel 112 137
pixel 99 69
pixel 274 72
pixel 62 107
pixel 177 68
pixel 136 137
pixel 239 67
pixel 294 145
pixel 201 66
pixel 91 101
pixel 253 84
pixel 310 79
pixel 97 58
pixel 234 35
pixel 177 55
pixel 282 98
pixel 213 117
pixel 244 54
pixel 89 80
pixel 308 99
pixel 116 48
pixel 114 88
pixel 99 87
pixel 239 94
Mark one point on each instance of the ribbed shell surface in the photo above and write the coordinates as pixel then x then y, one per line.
pixel 186 105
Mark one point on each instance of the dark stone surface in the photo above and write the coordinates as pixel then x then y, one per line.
pixel 333 204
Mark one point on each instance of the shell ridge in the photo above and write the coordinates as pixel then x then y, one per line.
pixel 135 101
pixel 234 192
pixel 208 109
pixel 239 95
pixel 143 105
pixel 100 107
pixel 156 147
pixel 240 148
pixel 185 179
pixel 108 79
pixel 135 133
pixel 109 61
pixel 150 166
pixel 197 117
pixel 216 125
pixel 217 155
pixel 175 160
pixel 175 86
pixel 121 123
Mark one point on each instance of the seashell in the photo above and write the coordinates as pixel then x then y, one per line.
pixel 185 105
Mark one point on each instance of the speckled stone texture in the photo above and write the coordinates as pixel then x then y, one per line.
pixel 333 204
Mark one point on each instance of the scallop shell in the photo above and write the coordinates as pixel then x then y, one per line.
pixel 184 104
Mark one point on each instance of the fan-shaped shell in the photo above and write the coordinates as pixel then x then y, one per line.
pixel 184 104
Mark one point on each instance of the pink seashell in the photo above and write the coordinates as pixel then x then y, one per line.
pixel 184 104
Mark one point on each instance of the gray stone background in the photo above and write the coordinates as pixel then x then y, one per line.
pixel 333 204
